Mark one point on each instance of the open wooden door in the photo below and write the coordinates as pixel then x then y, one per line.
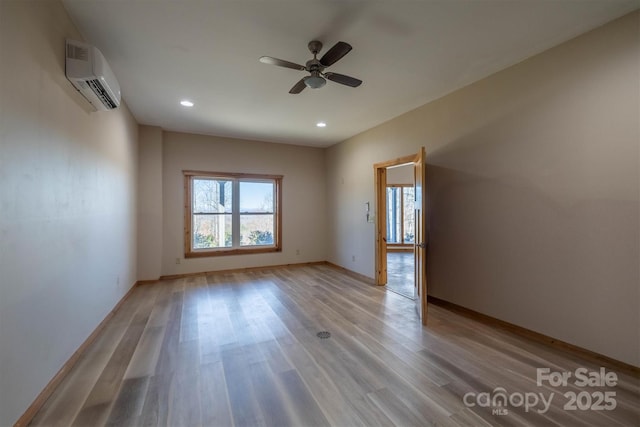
pixel 381 224
pixel 420 252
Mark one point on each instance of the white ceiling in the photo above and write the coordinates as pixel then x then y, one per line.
pixel 406 52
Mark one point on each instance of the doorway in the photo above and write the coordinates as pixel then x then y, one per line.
pixel 384 200
pixel 400 199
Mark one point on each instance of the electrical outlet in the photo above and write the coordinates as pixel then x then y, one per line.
pixel 177 260
pixel 297 251
pixel 353 258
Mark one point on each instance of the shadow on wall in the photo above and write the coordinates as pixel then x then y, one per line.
pixel 500 246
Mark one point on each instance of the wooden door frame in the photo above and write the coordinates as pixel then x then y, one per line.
pixel 380 179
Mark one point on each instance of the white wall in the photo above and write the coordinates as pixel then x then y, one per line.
pixel 303 193
pixel 533 189
pixel 67 205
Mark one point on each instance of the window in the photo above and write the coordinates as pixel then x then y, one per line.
pixel 400 215
pixel 228 214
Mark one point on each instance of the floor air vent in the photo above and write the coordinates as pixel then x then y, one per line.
pixel 323 335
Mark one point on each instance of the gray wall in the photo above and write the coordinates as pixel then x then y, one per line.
pixel 533 192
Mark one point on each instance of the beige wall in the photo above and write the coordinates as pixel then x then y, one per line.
pixel 533 191
pixel 67 205
pixel 303 193
pixel 150 205
pixel 400 174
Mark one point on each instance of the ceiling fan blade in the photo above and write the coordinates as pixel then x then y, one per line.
pixel 343 80
pixel 281 63
pixel 334 54
pixel 298 87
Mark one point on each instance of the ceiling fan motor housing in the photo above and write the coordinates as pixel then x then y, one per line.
pixel 315 46
pixel 314 65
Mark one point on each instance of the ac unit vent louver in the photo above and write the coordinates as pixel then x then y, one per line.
pixel 90 74
pixel 98 89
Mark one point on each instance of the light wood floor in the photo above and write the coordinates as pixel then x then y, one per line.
pixel 241 349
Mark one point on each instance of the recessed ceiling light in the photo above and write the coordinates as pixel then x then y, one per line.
pixel 186 103
pixel 321 124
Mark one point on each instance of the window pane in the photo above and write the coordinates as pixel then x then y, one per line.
pixel 393 215
pixel 211 231
pixel 256 230
pixel 256 197
pixel 212 196
pixel 409 215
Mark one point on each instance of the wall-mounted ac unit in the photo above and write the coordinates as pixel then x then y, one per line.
pixel 89 72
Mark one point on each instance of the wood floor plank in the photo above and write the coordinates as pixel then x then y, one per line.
pixel 395 410
pixel 128 404
pixel 157 403
pixel 466 418
pixel 301 402
pixel 241 349
pixel 145 357
pixel 270 397
pixel 167 359
pixel 245 408
pixel 215 409
pixel 184 399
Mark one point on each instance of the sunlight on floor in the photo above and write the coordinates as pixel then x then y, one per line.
pixel 400 273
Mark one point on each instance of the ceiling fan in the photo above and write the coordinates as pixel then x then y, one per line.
pixel 315 67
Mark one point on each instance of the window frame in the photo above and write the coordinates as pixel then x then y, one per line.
pixel 190 252
pixel 402 243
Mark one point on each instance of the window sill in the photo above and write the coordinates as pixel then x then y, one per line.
pixel 235 251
